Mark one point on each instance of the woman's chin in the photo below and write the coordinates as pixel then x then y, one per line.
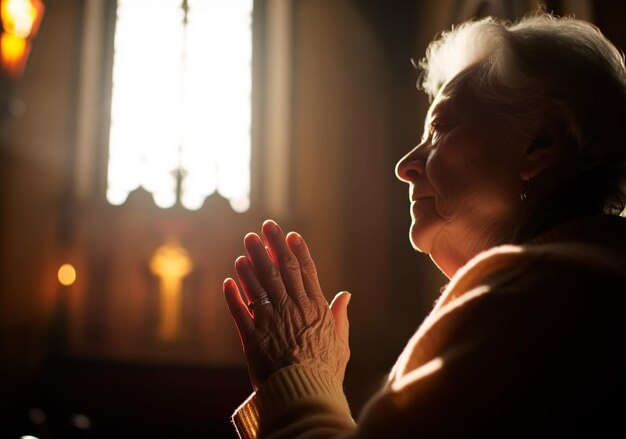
pixel 423 233
pixel 426 224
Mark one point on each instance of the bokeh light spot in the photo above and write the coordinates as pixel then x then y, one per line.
pixel 67 274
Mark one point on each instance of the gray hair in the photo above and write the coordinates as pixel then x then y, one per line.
pixel 546 67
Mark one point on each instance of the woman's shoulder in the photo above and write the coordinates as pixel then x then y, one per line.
pixel 594 242
pixel 591 258
pixel 564 264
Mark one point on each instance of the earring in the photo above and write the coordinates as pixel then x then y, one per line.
pixel 523 193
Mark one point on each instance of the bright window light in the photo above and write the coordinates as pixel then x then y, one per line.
pixel 180 108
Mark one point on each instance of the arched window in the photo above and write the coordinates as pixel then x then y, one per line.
pixel 180 105
pixel 165 118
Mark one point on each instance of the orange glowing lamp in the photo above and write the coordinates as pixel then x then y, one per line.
pixel 66 275
pixel 170 263
pixel 20 23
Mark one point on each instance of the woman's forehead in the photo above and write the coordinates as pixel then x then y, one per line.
pixel 455 99
pixel 443 105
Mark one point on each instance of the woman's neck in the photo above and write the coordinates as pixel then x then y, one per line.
pixel 455 247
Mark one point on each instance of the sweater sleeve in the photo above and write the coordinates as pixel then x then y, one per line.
pixel 297 401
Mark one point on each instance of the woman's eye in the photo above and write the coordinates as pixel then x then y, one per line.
pixel 436 130
pixel 437 127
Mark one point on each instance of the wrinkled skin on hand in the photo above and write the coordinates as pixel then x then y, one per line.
pixel 299 326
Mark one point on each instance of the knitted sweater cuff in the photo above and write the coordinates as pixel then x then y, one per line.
pixel 282 390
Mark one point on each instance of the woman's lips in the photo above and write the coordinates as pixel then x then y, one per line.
pixel 424 205
pixel 423 202
pixel 422 198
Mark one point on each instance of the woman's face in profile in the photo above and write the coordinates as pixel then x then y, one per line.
pixel 464 176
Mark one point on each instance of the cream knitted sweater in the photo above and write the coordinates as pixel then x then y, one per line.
pixel 525 341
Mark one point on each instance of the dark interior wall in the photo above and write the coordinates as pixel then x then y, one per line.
pixel 37 140
pixel 609 17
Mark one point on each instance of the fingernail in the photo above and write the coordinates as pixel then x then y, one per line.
pixel 297 239
pixel 271 225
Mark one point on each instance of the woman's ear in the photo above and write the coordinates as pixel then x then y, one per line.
pixel 544 150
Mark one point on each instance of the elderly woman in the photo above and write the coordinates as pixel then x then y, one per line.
pixel 515 190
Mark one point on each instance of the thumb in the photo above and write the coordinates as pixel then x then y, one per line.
pixel 339 309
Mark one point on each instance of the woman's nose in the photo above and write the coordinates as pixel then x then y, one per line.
pixel 412 165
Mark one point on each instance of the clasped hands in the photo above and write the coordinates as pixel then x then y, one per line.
pixel 297 326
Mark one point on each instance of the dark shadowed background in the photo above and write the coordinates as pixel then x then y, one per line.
pixel 83 360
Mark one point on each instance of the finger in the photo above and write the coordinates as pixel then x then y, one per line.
pixel 288 264
pixel 248 279
pixel 339 309
pixel 307 267
pixel 238 309
pixel 266 273
pixel 252 288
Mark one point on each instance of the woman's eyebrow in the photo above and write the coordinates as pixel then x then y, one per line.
pixel 443 106
pixel 442 110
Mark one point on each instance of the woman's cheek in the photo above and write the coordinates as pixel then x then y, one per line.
pixel 443 182
pixel 446 169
